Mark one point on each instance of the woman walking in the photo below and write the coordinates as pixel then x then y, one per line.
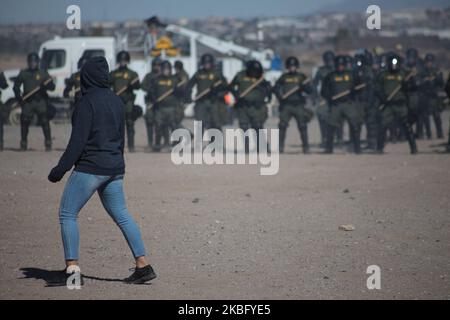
pixel 95 149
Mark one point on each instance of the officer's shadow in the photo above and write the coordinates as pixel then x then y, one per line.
pixel 52 276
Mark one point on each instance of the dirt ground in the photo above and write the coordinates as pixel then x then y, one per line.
pixel 226 232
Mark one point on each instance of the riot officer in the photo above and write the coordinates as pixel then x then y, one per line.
pixel 252 93
pixel 149 114
pixel 413 67
pixel 338 90
pixel 364 95
pixel 3 113
pixel 392 87
pixel 211 86
pixel 164 95
pixel 34 99
pixel 290 89
pixel 322 72
pixel 183 79
pixel 123 82
pixel 73 84
pixel 431 82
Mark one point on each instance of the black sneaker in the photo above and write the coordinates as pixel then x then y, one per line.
pixel 60 279
pixel 141 275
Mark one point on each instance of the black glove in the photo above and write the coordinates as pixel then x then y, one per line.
pixel 55 175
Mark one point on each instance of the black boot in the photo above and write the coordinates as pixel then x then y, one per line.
pixel 355 133
pixel 381 139
pixel 1 134
pixel 24 135
pixel 130 136
pixel 304 137
pixel 47 135
pixel 410 137
pixel 282 139
pixel 438 124
pixel 330 140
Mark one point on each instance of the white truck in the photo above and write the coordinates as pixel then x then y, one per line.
pixel 60 57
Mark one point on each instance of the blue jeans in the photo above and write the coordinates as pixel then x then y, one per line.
pixel 79 189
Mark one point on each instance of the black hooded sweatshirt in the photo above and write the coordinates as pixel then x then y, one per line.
pixel 97 139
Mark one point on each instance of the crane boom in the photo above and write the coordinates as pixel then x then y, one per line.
pixel 225 47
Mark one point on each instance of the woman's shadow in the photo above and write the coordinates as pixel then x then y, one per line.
pixel 54 276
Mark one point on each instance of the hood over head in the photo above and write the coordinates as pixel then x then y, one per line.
pixel 95 74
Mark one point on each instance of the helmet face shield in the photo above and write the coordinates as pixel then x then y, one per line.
pixel 292 64
pixel 123 58
pixel 359 61
pixel 254 69
pixel 33 61
pixel 156 65
pixel 340 63
pixel 166 69
pixel 394 63
pixel 207 61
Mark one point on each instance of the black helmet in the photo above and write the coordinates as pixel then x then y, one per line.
pixel 166 67
pixel 254 69
pixel 207 58
pixel 328 58
pixel 81 62
pixel 123 56
pixel 429 57
pixel 292 62
pixel 32 57
pixel 359 60
pixel 393 62
pixel 340 61
pixel 178 65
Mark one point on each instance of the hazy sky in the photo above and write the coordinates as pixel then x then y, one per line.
pixel 20 11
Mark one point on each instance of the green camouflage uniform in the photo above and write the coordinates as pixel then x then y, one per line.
pixel 149 114
pixel 430 83
pixel 120 78
pixel 251 109
pixel 343 108
pixel 182 77
pixel 364 100
pixel 73 87
pixel 322 109
pixel 37 104
pixel 73 84
pixel 293 106
pixel 395 110
pixel 165 111
pixel 207 108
